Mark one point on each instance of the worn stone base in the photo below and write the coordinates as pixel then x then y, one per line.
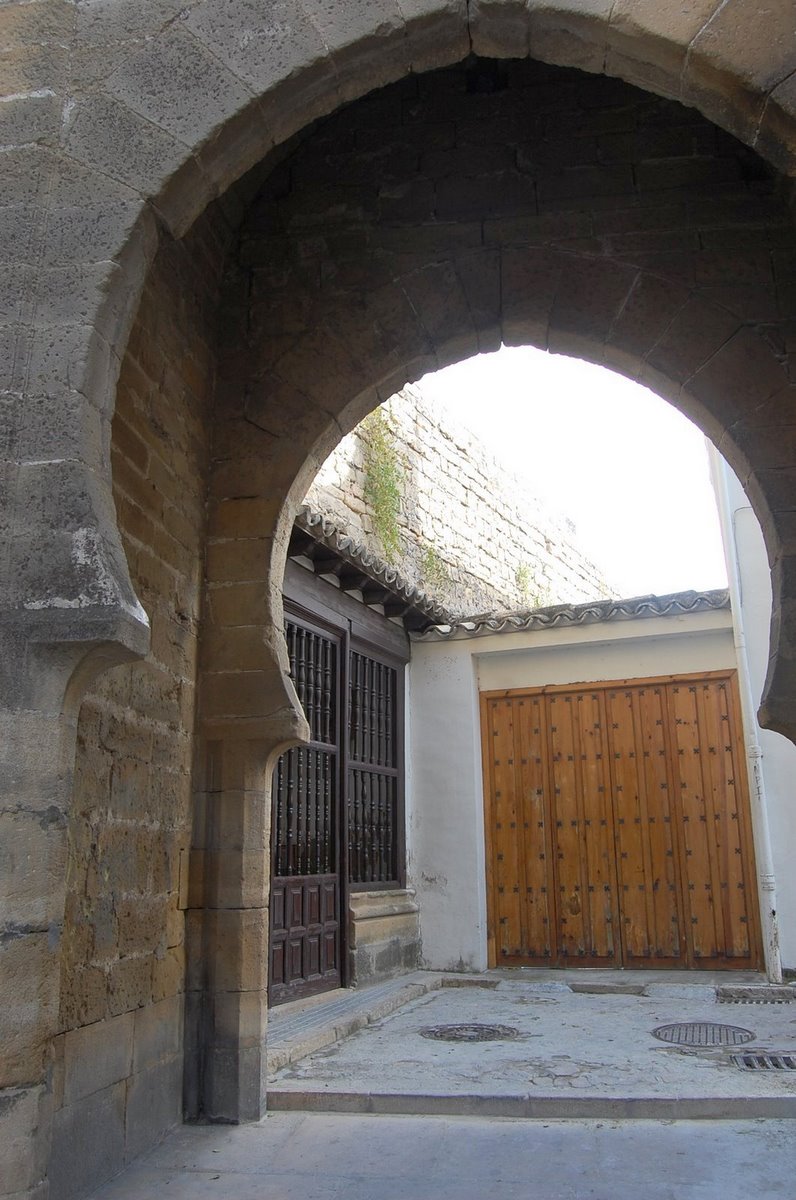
pixel 117 1091
pixel 384 935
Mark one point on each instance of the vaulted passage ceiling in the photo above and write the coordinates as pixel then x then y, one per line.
pixel 511 202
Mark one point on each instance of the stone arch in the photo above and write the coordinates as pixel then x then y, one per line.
pixel 334 303
pixel 168 105
pixel 670 300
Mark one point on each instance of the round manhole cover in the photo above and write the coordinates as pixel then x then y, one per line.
pixel 702 1033
pixel 469 1033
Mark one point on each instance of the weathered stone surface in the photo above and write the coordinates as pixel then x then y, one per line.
pixel 153 1105
pixel 179 86
pixel 748 44
pixel 28 969
pixel 384 935
pixel 97 1056
pixel 88 1142
pixel 665 31
pixel 97 126
pixel 24 1121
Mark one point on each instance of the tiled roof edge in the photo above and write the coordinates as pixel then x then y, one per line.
pixel 594 612
pixel 321 529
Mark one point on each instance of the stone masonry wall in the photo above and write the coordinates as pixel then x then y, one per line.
pixel 466 530
pixel 118 1082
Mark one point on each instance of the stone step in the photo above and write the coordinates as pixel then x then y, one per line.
pixel 640 1108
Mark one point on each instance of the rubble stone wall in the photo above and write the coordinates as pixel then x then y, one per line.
pixel 468 531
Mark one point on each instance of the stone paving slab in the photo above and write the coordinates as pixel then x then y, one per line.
pixel 291 1156
pixel 578 1053
pixel 295 1030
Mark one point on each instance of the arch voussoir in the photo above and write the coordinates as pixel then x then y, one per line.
pixel 591 293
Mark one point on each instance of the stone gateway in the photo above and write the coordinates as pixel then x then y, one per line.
pixel 230 229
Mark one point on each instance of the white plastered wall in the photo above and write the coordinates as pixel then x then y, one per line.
pixel 446 833
pixel 745 552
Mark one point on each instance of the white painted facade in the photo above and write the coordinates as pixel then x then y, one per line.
pixel 447 862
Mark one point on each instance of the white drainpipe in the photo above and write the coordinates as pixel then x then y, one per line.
pixel 766 883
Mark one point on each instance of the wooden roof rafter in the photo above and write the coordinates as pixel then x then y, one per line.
pixel 335 554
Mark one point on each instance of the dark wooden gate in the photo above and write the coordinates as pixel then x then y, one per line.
pixel 618 826
pixel 306 888
pixel 325 840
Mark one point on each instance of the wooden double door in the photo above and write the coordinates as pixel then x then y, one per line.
pixel 617 826
pixel 337 811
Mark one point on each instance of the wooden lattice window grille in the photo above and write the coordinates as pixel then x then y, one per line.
pixel 306 779
pixel 374 846
pixel 369 754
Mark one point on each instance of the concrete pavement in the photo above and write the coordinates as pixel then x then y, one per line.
pixel 296 1156
pixel 587 1052
pixel 350 1063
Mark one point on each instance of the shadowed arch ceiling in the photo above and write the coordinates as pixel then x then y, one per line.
pixel 514 202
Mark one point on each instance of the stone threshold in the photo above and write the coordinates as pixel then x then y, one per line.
pixel 304 1026
pixel 638 1108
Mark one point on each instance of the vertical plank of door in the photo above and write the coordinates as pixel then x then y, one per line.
pixel 666 935
pixel 724 798
pixel 508 866
pixel 489 828
pixel 743 808
pixel 573 941
pixel 583 853
pixel 597 826
pixel 535 834
pixel 632 865
pixel 704 926
pixel 714 733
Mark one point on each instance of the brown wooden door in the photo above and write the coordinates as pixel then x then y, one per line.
pixel 306 878
pixel 580 806
pixel 644 834
pixel 618 828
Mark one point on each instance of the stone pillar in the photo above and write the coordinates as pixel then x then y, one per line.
pixel 248 714
pixel 227 990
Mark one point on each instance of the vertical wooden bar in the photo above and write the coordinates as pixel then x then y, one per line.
pixel 534 835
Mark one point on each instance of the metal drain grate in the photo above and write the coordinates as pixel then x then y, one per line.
pixel 753 995
pixel 765 1062
pixel 470 1033
pixel 702 1033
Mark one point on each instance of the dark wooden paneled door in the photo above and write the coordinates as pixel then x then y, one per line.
pixel 618 826
pixel 306 892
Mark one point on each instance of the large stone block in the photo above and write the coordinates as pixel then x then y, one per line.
pixel 262 46
pixel 29 1000
pixel 99 125
pixel 154 1105
pixel 23 1112
pixel 30 118
pixel 88 1142
pixel 32 865
pixel 648 34
pixel 96 1057
pixel 179 86
pixel 237 949
pixel 157 1033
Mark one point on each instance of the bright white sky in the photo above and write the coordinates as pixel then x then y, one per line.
pixel 624 465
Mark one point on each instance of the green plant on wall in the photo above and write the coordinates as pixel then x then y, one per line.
pixel 384 481
pixel 522 578
pixel 433 571
pixel 531 593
